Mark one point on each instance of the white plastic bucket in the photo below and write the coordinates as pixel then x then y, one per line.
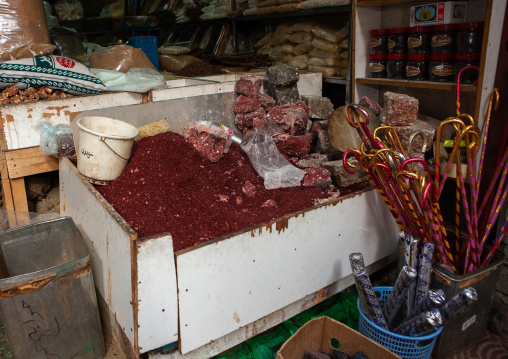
pixel 104 147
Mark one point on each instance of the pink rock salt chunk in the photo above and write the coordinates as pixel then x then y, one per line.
pixel 249 85
pixel 246 104
pixel 294 145
pixel 249 189
pixel 209 141
pixel 317 177
pixel 247 119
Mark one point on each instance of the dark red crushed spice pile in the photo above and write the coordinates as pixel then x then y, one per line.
pixel 200 68
pixel 168 187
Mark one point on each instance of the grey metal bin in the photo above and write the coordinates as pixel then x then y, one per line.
pixel 468 327
pixel 47 295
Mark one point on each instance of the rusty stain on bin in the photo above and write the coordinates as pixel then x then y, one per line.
pixel 76 273
pixel 26 287
pixel 281 225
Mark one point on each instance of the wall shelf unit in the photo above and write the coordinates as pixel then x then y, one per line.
pixel 438 99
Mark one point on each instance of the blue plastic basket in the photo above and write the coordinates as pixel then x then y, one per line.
pixel 403 346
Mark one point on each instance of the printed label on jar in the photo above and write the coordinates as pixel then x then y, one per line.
pixel 412 71
pixel 443 70
pixel 374 43
pixel 440 40
pixel 391 44
pixel 413 42
pixel 376 67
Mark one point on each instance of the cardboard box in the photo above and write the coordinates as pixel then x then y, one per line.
pixel 318 334
pixel 438 13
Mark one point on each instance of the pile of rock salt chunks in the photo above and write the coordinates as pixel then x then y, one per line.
pixel 296 123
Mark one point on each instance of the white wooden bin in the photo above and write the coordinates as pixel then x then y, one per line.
pixel 217 294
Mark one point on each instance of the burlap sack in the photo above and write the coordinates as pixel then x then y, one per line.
pixel 119 58
pixel 22 22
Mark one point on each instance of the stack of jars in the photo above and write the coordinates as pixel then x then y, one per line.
pixel 435 53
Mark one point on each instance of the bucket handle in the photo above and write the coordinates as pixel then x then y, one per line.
pixel 103 139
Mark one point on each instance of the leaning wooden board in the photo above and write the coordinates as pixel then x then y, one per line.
pixel 230 287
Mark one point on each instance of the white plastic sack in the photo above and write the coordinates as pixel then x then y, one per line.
pixel 137 79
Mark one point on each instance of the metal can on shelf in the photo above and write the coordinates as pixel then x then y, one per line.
pixel 397 40
pixel 442 67
pixel 417 67
pixel 396 66
pixel 378 41
pixel 470 37
pixel 469 76
pixel 444 39
pixel 418 40
pixel 377 66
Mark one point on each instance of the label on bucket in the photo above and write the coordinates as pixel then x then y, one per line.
pixel 468 322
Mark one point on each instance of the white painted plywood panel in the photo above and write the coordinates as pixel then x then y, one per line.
pixel 191 91
pixel 228 284
pixel 157 293
pixel 261 325
pixel 19 120
pixel 107 242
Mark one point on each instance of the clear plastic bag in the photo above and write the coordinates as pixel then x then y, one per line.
pixel 268 162
pixel 68 10
pixel 56 140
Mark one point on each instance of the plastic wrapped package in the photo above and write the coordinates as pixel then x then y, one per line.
pixel 302 26
pixel 268 162
pixel 311 4
pixel 68 10
pixel 114 10
pixel 173 50
pixel 280 56
pixel 251 11
pixel 344 44
pixel 56 140
pixel 300 62
pixel 322 53
pixel 284 48
pixel 284 2
pixel 301 37
pixel 325 70
pixel 266 10
pixel 266 3
pixel 137 79
pixel 325 45
pixel 26 51
pixel 283 29
pixel 264 40
pixel 304 48
pixel 343 33
pixel 326 34
pixel 265 49
pixel 344 54
pixel 288 7
pixel 174 63
pixel 119 58
pixel 323 61
pixel 279 38
pixel 22 22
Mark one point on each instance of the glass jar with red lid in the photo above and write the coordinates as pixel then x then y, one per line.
pixel 470 37
pixel 469 76
pixel 417 67
pixel 377 66
pixel 396 66
pixel 397 40
pixel 418 40
pixel 444 39
pixel 378 41
pixel 442 67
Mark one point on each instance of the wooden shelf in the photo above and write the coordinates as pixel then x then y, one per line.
pixel 383 2
pixel 448 86
pixel 335 80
